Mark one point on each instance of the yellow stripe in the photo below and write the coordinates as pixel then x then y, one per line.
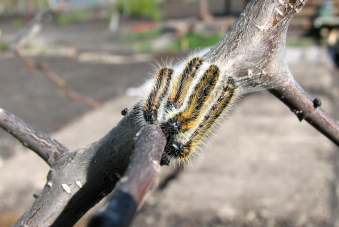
pixel 199 98
pixel 162 87
pixel 222 105
pixel 159 90
pixel 182 82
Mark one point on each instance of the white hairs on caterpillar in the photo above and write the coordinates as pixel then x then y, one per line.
pixel 189 101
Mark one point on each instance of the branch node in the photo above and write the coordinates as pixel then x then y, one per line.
pixel 316 103
pixel 124 112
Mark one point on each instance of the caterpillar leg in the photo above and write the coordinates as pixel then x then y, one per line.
pixel 171 127
pixel 176 150
pixel 173 149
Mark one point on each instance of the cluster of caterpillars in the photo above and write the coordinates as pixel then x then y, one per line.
pixel 188 106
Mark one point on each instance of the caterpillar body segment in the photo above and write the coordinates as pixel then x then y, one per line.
pixel 189 117
pixel 182 83
pixel 198 98
pixel 187 151
pixel 159 90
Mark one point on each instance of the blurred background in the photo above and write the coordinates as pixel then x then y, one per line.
pixel 262 168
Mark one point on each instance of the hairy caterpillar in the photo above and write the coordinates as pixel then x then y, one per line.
pixel 189 104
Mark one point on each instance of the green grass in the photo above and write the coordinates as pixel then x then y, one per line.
pixel 18 22
pixel 76 16
pixel 135 36
pixel 4 46
pixel 194 41
pixel 137 8
pixel 144 46
pixel 300 42
pixel 191 41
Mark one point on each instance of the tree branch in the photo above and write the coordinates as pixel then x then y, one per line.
pixel 262 52
pixel 43 68
pixel 82 178
pixel 141 176
pixel 19 41
pixel 28 32
pixel 49 149
pixel 303 105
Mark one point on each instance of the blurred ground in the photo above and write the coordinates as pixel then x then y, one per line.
pixel 263 167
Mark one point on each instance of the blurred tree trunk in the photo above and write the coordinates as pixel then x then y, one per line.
pixel 204 12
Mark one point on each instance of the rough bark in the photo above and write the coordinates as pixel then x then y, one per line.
pixel 42 144
pixel 82 178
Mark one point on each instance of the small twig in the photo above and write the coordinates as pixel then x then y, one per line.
pixel 62 84
pixel 140 176
pixel 31 30
pixel 302 105
pixel 49 149
pixel 28 32
pixel 43 68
